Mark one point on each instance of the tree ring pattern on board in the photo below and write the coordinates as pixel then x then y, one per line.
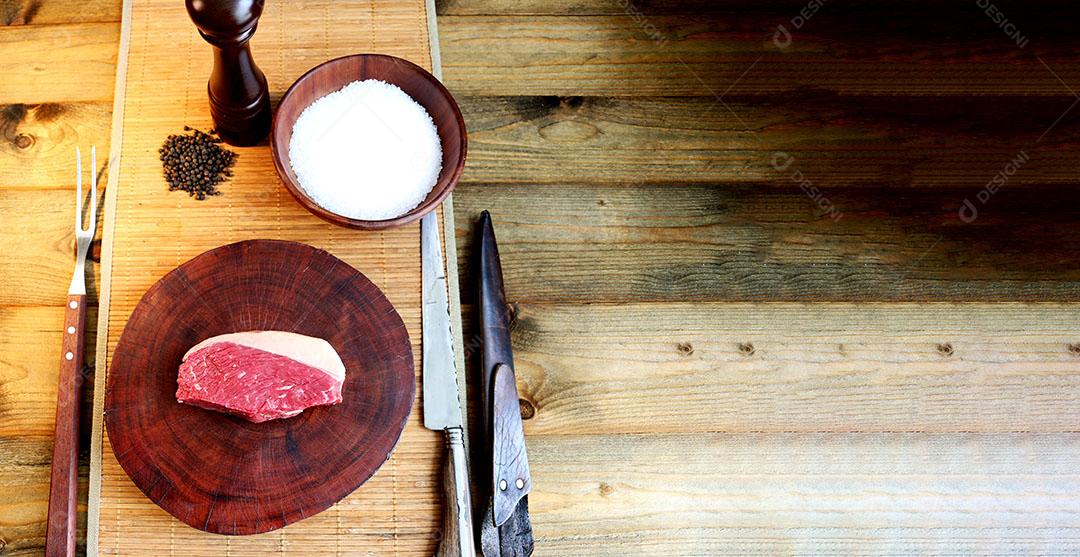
pixel 219 473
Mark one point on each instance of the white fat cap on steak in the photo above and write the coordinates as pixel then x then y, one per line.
pixel 310 351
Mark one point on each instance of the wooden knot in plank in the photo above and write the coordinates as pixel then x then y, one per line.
pixel 528 408
pixel 23 141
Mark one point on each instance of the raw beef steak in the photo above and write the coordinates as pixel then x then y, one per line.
pixel 261 375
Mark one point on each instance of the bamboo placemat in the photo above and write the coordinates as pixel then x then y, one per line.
pixel 161 87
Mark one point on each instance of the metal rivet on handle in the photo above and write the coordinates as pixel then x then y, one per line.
pixel 73 304
pixel 502 485
pixel 520 483
pixel 69 356
pixel 71 330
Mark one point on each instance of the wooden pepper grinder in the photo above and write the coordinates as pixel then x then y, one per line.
pixel 239 96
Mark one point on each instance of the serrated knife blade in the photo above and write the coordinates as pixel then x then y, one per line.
pixel 442 401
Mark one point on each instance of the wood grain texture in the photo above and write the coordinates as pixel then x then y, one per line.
pixel 509 461
pixel 30 338
pixel 60 533
pixel 502 466
pixel 877 142
pixel 41 247
pixel 37 142
pixel 578 7
pixel 222 474
pixel 43 12
pixel 87 50
pixel 458 522
pixel 794 494
pixel 24 474
pixel 743 9
pixel 814 493
pixel 860 52
pixel 837 368
pixel 589 243
pixel 151 231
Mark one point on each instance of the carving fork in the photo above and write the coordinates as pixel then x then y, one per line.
pixel 64 484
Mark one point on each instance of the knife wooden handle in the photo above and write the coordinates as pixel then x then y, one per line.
pixel 457 523
pixel 510 478
pixel 513 539
pixel 64 485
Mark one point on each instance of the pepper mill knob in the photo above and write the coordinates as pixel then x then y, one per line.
pixel 239 95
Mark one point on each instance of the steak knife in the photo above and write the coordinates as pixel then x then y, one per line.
pixel 442 403
pixel 506 530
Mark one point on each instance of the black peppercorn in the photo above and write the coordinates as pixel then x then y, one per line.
pixel 195 162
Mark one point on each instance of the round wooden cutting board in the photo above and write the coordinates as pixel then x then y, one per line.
pixel 220 473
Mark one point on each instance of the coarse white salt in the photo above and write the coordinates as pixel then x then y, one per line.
pixel 367 151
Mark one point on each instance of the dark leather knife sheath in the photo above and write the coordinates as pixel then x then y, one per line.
pixel 505 530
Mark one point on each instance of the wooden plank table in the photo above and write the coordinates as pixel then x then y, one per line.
pixel 709 363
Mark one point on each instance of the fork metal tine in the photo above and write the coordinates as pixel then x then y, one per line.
pixel 78 190
pixel 92 224
pixel 83 236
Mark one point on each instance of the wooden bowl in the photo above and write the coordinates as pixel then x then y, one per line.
pixel 220 473
pixel 423 87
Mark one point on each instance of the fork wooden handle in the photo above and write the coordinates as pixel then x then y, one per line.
pixel 64 487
